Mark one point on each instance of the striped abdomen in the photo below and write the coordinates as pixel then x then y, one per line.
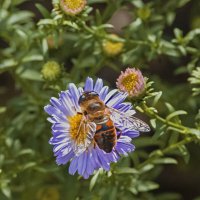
pixel 106 136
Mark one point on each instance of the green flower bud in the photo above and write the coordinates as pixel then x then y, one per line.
pixel 51 70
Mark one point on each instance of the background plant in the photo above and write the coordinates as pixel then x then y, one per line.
pixel 154 41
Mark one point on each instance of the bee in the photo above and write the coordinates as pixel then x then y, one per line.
pixel 98 120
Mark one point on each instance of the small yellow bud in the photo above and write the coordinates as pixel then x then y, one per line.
pixel 51 70
pixel 112 48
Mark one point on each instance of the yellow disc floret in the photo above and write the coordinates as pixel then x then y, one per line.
pixel 72 7
pixel 73 4
pixel 77 131
pixel 130 81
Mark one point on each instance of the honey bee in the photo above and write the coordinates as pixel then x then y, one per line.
pixel 98 122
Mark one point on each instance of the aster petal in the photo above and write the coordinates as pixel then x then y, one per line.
pixel 123 145
pixel 109 95
pixel 123 106
pixel 62 127
pixel 103 92
pixel 82 163
pixel 53 111
pixel 131 133
pixel 102 159
pixel 88 84
pixel 61 160
pixel 115 100
pixel 69 108
pixel 98 85
pixel 74 94
pixel 73 166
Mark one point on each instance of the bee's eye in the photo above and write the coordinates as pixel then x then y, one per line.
pixel 81 99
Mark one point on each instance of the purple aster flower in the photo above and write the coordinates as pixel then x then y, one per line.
pixel 84 141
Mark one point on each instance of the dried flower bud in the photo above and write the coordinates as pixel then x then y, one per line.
pixel 53 42
pixel 132 82
pixel 51 70
pixel 72 7
pixel 112 48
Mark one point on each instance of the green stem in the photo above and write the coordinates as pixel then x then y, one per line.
pixel 180 128
pixel 168 149
pixel 111 38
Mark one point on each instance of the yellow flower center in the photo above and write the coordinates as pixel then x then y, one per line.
pixel 112 48
pixel 77 131
pixel 130 81
pixel 74 4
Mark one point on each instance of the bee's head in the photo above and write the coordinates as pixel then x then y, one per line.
pixel 87 96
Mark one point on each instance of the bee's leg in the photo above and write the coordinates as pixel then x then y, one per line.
pixel 120 133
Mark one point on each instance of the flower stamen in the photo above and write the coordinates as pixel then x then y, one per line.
pixel 77 131
pixel 72 7
pixel 130 81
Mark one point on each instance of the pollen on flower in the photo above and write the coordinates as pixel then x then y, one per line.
pixel 72 7
pixel 77 132
pixel 112 48
pixel 131 81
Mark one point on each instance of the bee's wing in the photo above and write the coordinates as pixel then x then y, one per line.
pixel 89 128
pixel 128 121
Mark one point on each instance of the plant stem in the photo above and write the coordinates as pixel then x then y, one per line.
pixel 160 153
pixel 179 127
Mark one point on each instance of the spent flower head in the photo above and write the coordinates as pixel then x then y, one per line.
pixel 51 70
pixel 112 48
pixel 91 127
pixel 132 82
pixel 72 7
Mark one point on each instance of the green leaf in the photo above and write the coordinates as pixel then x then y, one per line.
pixel 30 58
pixel 29 165
pixel 175 114
pixel 157 97
pixel 94 180
pixel 126 170
pixel 44 46
pixel 165 161
pixel 6 191
pixel 19 17
pixel 185 153
pixel 147 186
pixel 31 75
pixel 7 64
pixel 26 151
pixel 2 110
pixel 153 123
pixel 46 22
pixel 133 190
pixel 43 10
pixel 169 107
pixel 146 168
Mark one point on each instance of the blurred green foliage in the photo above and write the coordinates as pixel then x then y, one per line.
pixel 151 41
